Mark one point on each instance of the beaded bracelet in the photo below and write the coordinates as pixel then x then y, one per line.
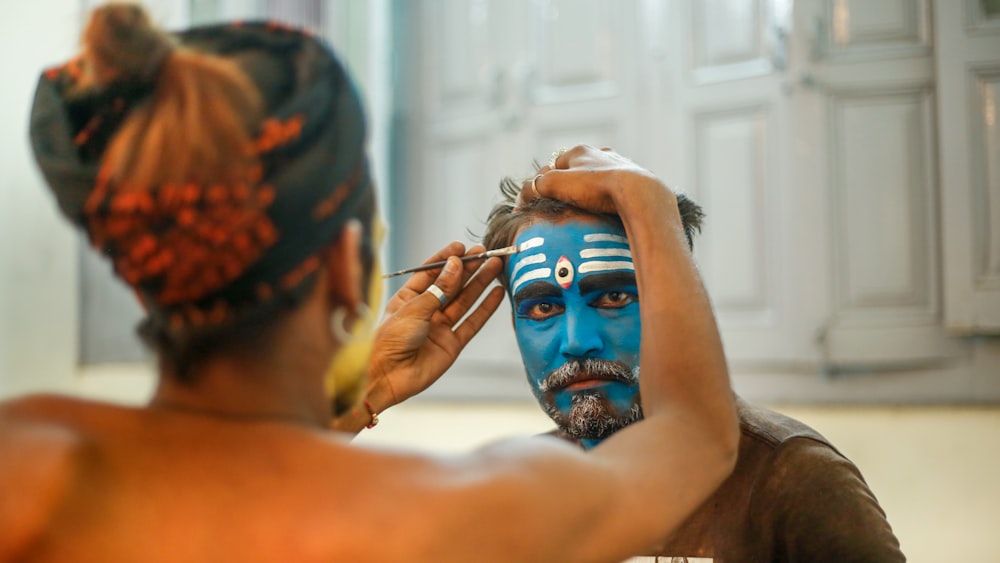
pixel 373 414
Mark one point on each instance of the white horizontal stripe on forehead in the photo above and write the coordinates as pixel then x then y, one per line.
pixel 527 261
pixel 604 266
pixel 535 274
pixel 605 252
pixel 604 237
pixel 530 243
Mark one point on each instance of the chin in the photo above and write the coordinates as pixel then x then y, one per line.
pixel 593 417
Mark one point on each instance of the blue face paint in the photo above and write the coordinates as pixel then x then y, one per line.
pixel 576 318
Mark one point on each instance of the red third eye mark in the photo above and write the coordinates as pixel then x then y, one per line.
pixel 564 272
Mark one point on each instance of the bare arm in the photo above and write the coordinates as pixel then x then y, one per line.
pixel 687 444
pixel 543 500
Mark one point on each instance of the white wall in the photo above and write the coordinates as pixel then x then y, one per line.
pixel 38 284
pixel 39 251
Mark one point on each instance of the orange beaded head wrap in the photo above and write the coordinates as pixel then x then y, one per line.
pixel 203 247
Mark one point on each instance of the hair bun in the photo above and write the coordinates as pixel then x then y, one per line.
pixel 121 43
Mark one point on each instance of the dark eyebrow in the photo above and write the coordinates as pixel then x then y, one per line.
pixel 605 281
pixel 535 290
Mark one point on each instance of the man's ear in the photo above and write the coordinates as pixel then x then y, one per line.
pixel 343 267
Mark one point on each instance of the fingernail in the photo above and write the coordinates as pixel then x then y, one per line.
pixel 451 265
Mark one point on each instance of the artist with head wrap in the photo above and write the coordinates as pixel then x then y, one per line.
pixel 222 172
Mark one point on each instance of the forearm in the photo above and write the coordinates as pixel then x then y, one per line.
pixel 683 364
pixel 682 358
pixel 686 444
pixel 686 395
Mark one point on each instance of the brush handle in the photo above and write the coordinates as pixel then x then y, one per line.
pixel 438 264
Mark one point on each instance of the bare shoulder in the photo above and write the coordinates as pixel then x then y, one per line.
pixel 504 502
pixel 37 467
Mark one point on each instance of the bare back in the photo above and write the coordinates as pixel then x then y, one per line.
pixel 127 484
pixel 164 486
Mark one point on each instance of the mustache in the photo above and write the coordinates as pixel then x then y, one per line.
pixel 592 368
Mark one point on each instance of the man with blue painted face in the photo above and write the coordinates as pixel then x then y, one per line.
pixel 576 309
pixel 576 315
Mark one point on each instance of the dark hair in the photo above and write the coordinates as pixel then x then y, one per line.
pixel 507 219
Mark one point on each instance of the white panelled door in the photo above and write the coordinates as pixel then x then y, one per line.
pixel 810 130
pixel 810 135
pixel 968 33
pixel 727 112
pixel 497 84
pixel 869 66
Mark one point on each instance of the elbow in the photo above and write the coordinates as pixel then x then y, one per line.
pixel 720 437
pixel 730 451
pixel 719 460
pixel 728 441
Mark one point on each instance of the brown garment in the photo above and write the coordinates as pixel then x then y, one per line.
pixel 791 497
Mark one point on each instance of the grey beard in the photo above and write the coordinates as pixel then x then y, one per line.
pixel 591 417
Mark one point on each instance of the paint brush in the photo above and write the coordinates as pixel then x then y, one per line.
pixel 506 251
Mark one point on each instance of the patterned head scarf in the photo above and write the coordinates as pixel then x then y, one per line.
pixel 199 254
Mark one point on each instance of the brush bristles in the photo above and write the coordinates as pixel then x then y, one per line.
pixel 507 251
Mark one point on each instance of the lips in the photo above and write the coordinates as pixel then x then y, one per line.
pixel 587 380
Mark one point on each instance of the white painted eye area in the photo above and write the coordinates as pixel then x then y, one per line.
pixel 564 272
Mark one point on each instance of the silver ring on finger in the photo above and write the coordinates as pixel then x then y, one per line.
pixel 437 292
pixel 534 187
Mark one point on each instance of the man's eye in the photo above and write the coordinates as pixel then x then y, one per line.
pixel 614 300
pixel 539 310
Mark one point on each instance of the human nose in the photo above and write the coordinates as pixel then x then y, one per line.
pixel 582 338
